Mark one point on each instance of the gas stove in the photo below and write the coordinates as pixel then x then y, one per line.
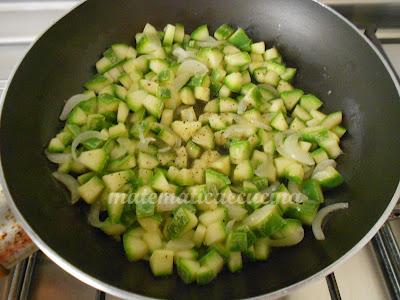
pixel 372 273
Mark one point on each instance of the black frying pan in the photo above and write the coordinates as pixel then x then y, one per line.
pixel 335 62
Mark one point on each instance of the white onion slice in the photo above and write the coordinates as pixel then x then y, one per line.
pixel 317 223
pixel 242 106
pixel 83 137
pixel 299 197
pixel 293 187
pixel 94 215
pixel 210 43
pixel 181 80
pixel 291 240
pixel 71 103
pixel 262 169
pixel 278 139
pixel 253 122
pixel 57 158
pixel 273 187
pixel 229 225
pixel 163 150
pixel 70 183
pixel 192 67
pixel 323 165
pixel 260 125
pixel 238 131
pixel 293 150
pixel 182 54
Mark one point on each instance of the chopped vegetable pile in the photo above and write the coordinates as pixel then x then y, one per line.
pixel 197 150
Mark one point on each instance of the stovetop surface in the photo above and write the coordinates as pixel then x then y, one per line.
pixel 21 21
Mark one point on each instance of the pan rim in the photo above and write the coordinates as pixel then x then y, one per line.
pixel 110 289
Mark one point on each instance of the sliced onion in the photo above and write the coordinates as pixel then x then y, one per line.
pixel 70 183
pixel 71 103
pixel 229 225
pixel 242 106
pixel 83 137
pixel 278 139
pixel 261 125
pixel 323 165
pixel 293 150
pixel 299 197
pixel 58 158
pixel 182 54
pixel 118 152
pixel 262 169
pixel 291 240
pixel 210 43
pixel 181 80
pixel 163 150
pixel 144 142
pixel 238 131
pixel 273 187
pixel 94 215
pixel 293 187
pixel 319 218
pixel 192 67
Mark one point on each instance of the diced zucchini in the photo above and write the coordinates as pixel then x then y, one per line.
pixel 97 83
pixel 238 59
pixel 91 190
pixel 235 262
pixel 202 93
pixel 328 178
pixel 115 181
pixel 159 182
pixel 187 96
pixel 243 171
pixel 240 39
pixel 339 131
pixel 223 32
pixel 217 179
pixel 237 241
pixel 291 98
pixel 213 260
pixel 186 129
pixel 161 262
pixel 279 122
pixel 153 241
pixel 199 235
pixel 312 190
pixel 200 33
pixel 263 75
pixel 310 102
pixel 258 47
pixel 95 160
pixel 234 81
pixel 212 216
pixel 187 269
pixel 289 74
pixel 332 120
pixel 215 233
pixel 135 248
pixel 115 206
pixel 265 221
pixel 204 137
pixel 261 249
pixel 182 222
pixel 147 161
pixel 222 165
pixel 239 151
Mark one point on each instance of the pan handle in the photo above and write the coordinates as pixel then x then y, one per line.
pixel 15 244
